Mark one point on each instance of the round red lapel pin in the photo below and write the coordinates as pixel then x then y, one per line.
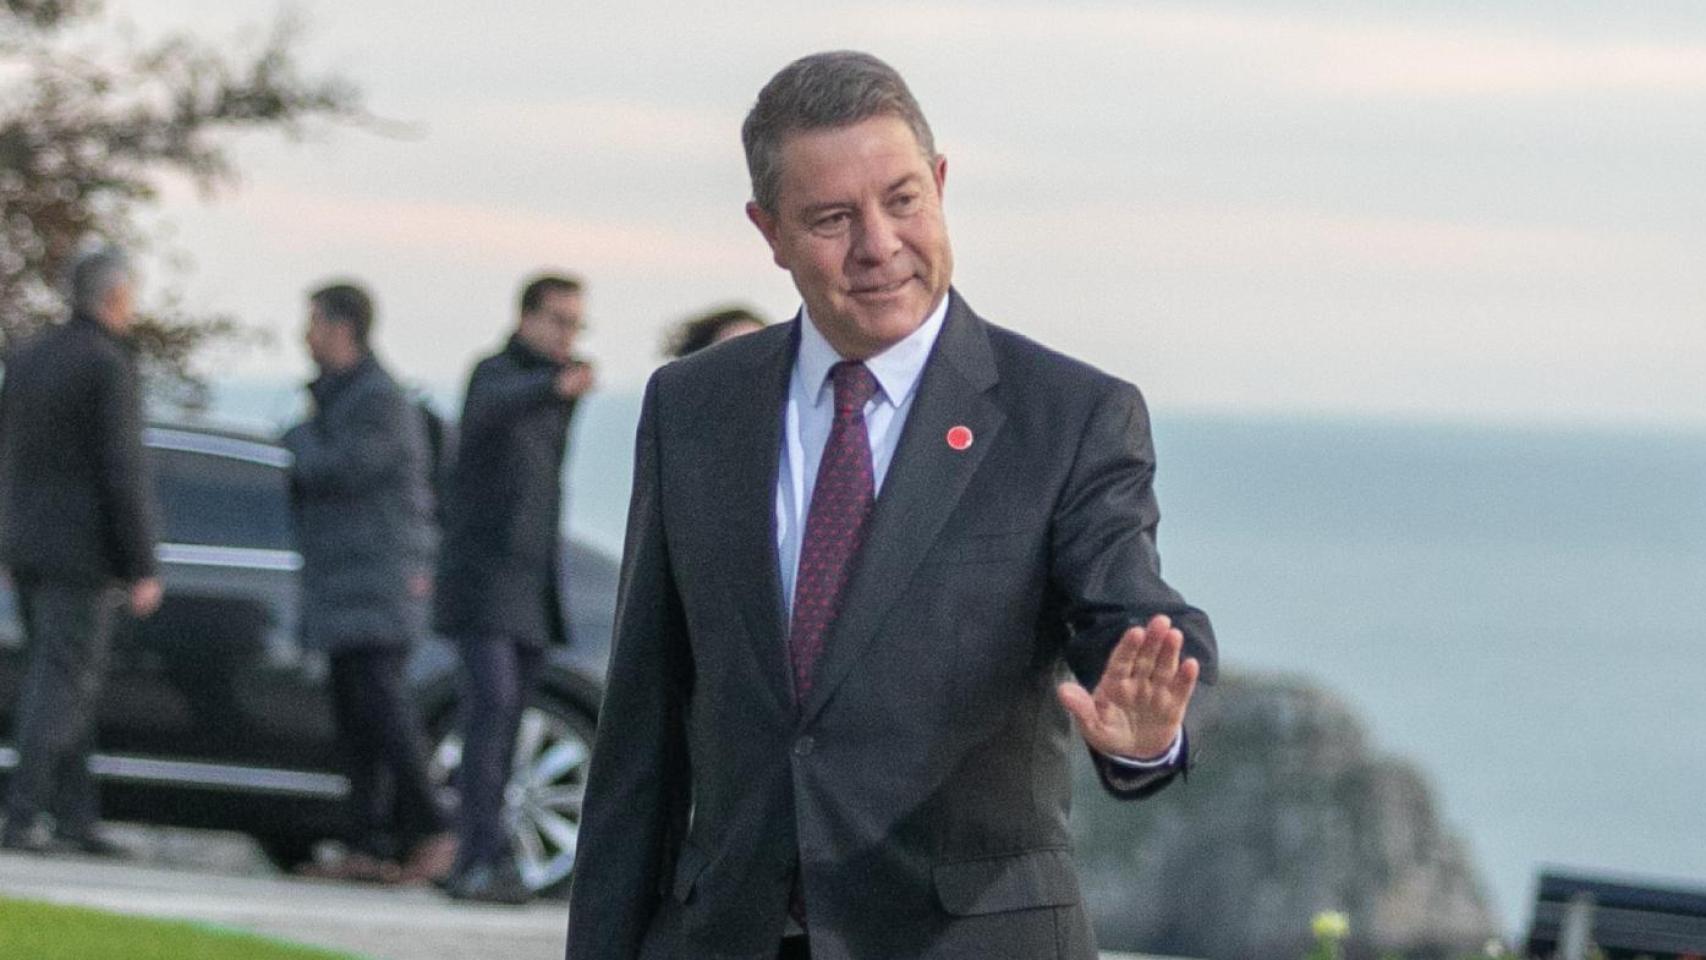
pixel 959 437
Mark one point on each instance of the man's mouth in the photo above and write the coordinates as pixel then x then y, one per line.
pixel 880 289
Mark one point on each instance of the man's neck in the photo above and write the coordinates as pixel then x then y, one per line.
pixel 103 322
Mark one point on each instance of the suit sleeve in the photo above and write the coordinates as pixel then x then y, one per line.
pixel 126 488
pixel 382 435
pixel 1106 565
pixel 638 790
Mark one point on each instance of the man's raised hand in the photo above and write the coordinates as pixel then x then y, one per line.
pixel 1139 705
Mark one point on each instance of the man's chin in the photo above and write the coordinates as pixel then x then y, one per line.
pixel 891 327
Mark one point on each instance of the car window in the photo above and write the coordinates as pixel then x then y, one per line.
pixel 212 500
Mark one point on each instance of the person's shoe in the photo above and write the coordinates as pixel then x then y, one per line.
pixel 498 882
pixel 26 841
pixel 93 844
pixel 431 859
pixel 354 868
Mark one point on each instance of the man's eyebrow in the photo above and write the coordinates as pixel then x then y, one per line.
pixel 905 181
pixel 812 210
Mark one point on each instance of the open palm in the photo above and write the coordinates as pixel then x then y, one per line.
pixel 1138 707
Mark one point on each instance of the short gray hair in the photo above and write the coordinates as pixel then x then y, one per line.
pixel 820 91
pixel 93 274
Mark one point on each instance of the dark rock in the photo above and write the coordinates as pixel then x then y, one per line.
pixel 1286 814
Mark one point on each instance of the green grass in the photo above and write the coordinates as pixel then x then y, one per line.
pixel 43 931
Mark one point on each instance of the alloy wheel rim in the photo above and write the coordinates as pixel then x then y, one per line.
pixel 542 801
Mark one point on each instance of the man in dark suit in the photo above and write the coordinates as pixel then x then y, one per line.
pixel 500 569
pixel 363 517
pixel 76 521
pixel 862 549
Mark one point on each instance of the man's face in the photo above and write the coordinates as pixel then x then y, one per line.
pixel 555 326
pixel 325 339
pixel 118 306
pixel 858 223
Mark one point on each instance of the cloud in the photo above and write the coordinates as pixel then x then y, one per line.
pixel 604 125
pixel 1274 236
pixel 1336 56
pixel 486 233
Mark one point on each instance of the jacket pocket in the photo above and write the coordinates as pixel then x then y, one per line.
pixel 1020 881
pixel 689 864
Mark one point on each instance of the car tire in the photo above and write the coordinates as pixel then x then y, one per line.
pixel 287 852
pixel 542 804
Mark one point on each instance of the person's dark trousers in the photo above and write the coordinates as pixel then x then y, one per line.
pixel 384 751
pixel 497 676
pixel 68 627
pixel 795 948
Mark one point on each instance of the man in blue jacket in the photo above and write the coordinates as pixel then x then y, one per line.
pixel 363 512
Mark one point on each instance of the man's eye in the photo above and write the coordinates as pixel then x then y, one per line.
pixel 901 203
pixel 831 223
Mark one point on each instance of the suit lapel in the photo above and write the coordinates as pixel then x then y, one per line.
pixel 923 485
pixel 743 503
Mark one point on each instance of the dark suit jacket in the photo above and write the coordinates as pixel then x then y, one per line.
pixel 499 569
pixel 76 502
pixel 363 510
pixel 922 789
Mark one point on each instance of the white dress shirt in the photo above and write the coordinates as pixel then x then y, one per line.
pixel 805 432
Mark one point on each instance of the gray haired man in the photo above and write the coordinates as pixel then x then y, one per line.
pixel 77 531
pixel 881 561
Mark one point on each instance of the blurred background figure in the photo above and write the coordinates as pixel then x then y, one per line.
pixel 363 514
pixel 76 519
pixel 707 329
pixel 498 581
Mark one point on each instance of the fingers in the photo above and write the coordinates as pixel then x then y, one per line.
pixel 1167 653
pixel 1122 663
pixel 1079 703
pixel 1186 680
pixel 1148 651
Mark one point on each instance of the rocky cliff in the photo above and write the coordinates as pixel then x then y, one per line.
pixel 1288 812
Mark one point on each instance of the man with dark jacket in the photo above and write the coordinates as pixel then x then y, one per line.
pixel 499 570
pixel 363 514
pixel 76 519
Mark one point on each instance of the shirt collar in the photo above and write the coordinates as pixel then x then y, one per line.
pixel 897 369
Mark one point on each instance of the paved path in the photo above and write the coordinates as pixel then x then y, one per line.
pixel 382 924
pixel 221 879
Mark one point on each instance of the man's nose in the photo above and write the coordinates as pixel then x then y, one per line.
pixel 875 239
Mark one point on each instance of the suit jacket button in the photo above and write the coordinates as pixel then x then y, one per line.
pixel 804 746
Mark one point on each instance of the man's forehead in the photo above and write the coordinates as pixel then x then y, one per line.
pixel 879 151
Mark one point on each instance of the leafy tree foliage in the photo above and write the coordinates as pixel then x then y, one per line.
pixel 89 125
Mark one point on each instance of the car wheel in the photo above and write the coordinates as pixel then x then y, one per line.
pixel 542 803
pixel 287 852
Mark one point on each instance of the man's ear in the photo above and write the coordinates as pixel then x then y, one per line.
pixel 767 226
pixel 940 170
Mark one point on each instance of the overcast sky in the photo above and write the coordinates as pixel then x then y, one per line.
pixel 1450 210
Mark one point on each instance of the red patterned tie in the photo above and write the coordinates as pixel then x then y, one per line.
pixel 835 526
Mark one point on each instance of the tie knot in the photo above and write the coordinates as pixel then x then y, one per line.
pixel 854 387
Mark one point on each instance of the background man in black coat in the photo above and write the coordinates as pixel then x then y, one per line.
pixel 499 569
pixel 363 513
pixel 76 518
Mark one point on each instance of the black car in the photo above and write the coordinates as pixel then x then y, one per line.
pixel 214 714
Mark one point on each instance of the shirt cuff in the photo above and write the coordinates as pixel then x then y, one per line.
pixel 1167 759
